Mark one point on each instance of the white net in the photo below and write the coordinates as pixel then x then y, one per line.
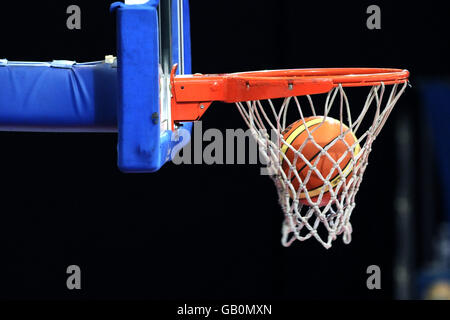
pixel 317 194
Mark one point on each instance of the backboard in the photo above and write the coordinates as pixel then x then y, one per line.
pixel 152 36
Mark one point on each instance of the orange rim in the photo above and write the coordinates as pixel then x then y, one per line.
pixel 192 94
pixel 344 76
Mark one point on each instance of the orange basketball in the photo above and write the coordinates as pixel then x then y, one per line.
pixel 324 133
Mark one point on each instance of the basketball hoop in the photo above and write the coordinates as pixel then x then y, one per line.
pixel 269 101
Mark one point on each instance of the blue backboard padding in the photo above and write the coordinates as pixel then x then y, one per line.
pixel 38 97
pixel 436 103
pixel 142 147
pixel 139 145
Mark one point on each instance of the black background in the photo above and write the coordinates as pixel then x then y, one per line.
pixel 199 231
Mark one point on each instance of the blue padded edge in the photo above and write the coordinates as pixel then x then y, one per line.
pixel 141 145
pixel 58 96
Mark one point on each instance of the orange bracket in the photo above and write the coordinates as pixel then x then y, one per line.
pixel 186 105
pixel 193 94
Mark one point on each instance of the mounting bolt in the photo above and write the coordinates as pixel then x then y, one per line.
pixel 155 118
pixel 202 106
pixel 291 86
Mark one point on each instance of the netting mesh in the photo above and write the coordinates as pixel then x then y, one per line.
pixel 325 213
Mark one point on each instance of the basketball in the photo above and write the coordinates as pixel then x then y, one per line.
pixel 325 132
